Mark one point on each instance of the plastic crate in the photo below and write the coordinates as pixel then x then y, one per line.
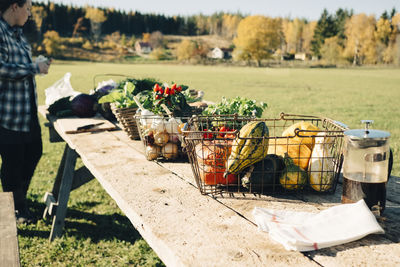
pixel 290 164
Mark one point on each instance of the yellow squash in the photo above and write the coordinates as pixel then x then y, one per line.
pixel 306 138
pixel 287 147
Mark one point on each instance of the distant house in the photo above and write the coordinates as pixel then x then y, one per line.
pixel 143 47
pixel 221 53
pixel 301 56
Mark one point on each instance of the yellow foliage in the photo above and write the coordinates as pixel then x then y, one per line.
pixel 146 37
pixel 360 42
pixel 158 54
pixel 257 38
pixel 383 30
pixel 52 43
pixel 331 51
pixel 293 32
pixel 308 34
pixel 186 50
pixel 87 45
pixel 94 14
pixel 230 24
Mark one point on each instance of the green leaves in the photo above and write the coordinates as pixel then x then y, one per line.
pixel 122 97
pixel 238 105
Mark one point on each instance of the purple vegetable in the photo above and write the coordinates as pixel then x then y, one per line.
pixel 105 89
pixel 84 105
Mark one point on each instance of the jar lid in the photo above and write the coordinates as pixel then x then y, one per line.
pixel 360 134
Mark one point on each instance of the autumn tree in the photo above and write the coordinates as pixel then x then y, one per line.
pixel 229 25
pixel 156 39
pixel 395 44
pixel 146 37
pixel 192 50
pixel 293 33
pixel 38 14
pixel 201 24
pixel 96 17
pixel 331 51
pixel 308 33
pixel 53 44
pixel 329 26
pixel 257 38
pixel 360 44
pixel 186 50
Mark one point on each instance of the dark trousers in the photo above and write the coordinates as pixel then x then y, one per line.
pixel 18 165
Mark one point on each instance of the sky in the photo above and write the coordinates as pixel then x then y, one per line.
pixel 308 9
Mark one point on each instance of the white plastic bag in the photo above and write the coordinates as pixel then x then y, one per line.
pixel 61 88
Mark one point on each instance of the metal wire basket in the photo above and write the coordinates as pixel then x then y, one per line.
pixel 162 136
pixel 290 159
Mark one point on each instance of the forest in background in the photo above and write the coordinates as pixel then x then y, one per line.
pixel 64 31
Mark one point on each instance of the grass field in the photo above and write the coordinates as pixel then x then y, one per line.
pixel 98 234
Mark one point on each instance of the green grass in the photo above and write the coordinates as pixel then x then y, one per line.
pixel 98 234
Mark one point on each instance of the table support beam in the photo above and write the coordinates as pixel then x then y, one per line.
pixel 65 188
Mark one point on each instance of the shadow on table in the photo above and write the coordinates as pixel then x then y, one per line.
pixel 85 225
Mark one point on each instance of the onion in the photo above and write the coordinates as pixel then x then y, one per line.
pixel 152 152
pixel 161 138
pixel 170 151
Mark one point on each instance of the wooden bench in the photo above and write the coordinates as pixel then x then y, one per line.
pixel 9 251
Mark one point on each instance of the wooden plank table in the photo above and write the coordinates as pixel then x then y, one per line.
pixel 186 228
pixel 9 250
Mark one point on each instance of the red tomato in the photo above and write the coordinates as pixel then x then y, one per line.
pixel 223 130
pixel 207 135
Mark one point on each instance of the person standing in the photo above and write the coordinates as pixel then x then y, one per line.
pixel 20 133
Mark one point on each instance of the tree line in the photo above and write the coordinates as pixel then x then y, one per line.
pixel 339 37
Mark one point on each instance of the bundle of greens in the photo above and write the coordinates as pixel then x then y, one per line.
pixel 238 105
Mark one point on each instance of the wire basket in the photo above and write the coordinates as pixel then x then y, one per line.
pixel 162 136
pixel 300 154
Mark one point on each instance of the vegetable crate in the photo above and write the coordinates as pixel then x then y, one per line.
pixel 253 157
pixel 162 136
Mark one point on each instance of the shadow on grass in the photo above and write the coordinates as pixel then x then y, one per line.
pixel 84 225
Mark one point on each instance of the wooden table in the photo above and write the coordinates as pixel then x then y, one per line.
pixel 9 250
pixel 186 228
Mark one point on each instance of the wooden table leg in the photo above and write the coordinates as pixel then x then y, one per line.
pixel 63 195
pixel 50 198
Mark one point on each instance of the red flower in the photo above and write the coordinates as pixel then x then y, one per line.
pixel 167 91
pixel 173 86
pixel 179 89
pixel 158 96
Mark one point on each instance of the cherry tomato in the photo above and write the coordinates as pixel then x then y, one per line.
pixel 207 135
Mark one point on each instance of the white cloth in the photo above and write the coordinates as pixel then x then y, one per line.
pixel 304 231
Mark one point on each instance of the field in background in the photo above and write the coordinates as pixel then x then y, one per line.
pixel 98 234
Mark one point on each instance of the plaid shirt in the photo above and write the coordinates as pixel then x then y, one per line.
pixel 16 68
